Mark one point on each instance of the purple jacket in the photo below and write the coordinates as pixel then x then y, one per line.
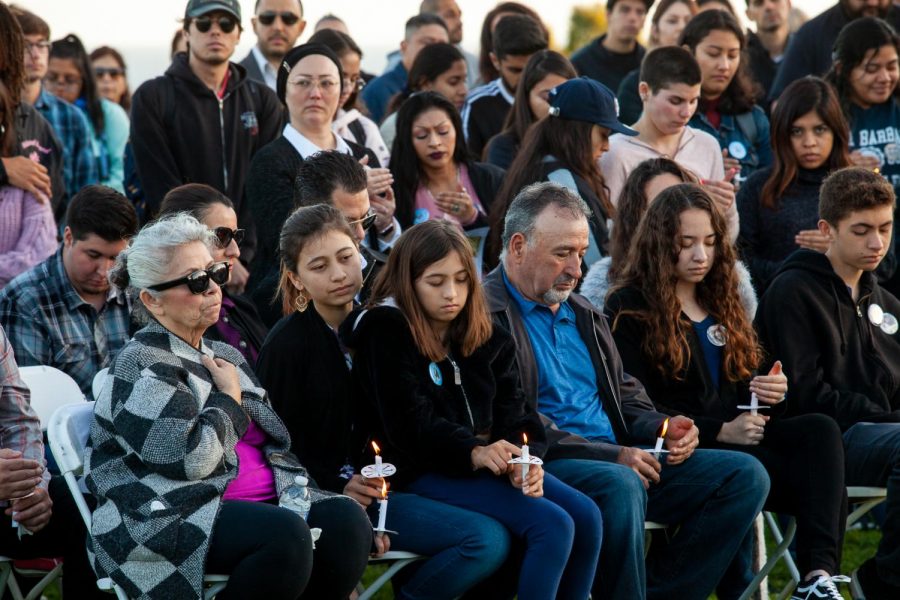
pixel 27 232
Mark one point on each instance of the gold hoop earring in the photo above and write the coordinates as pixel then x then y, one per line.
pixel 301 303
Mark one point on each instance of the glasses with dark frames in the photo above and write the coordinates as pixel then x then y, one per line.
pixel 113 72
pixel 268 17
pixel 224 235
pixel 366 222
pixel 226 23
pixel 198 281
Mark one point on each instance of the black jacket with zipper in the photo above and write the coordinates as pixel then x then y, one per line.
pixel 432 424
pixel 633 418
pixel 182 133
pixel 837 362
pixel 693 395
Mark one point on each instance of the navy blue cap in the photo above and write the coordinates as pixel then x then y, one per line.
pixel 584 99
pixel 198 8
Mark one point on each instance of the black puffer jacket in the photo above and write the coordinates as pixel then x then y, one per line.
pixel 429 423
pixel 837 362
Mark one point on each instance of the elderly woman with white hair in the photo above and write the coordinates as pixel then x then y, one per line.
pixel 187 458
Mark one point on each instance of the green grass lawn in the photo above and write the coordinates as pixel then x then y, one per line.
pixel 858 546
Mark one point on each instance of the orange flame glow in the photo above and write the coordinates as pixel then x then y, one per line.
pixel 375 447
pixel 664 428
pixel 384 489
pixel 525 437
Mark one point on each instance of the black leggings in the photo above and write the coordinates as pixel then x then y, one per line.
pixel 804 456
pixel 264 549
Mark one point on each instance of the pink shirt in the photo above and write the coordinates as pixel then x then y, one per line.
pixel 27 232
pixel 255 481
pixel 426 208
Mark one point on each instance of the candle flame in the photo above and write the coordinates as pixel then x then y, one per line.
pixel 375 447
pixel 525 437
pixel 664 428
pixel 384 489
pixel 776 368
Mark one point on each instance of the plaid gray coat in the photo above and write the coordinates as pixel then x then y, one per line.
pixel 160 455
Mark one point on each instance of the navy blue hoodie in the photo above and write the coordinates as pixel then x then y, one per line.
pixel 837 361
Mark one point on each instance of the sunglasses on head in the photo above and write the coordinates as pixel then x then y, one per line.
pixel 198 281
pixel 224 235
pixel 115 73
pixel 268 17
pixel 366 222
pixel 226 23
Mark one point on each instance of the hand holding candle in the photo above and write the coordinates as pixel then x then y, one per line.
pixel 766 390
pixel 660 439
pixel 526 460
pixel 383 470
pixel 382 510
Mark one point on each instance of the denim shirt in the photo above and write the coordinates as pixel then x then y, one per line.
pixel 758 154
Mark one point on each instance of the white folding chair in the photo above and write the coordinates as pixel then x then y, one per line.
pixel 649 528
pixel 398 560
pixel 865 498
pixel 68 432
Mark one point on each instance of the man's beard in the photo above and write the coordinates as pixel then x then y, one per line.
pixel 554 296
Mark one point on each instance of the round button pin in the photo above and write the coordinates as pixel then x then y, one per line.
pixel 716 335
pixel 889 325
pixel 435 373
pixel 876 315
pixel 737 150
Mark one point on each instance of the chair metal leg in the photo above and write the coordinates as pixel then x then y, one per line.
pixel 384 578
pixel 777 554
pixel 861 509
pixel 46 580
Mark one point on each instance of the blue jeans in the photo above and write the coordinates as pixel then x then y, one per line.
pixel 713 497
pixel 872 451
pixel 562 531
pixel 464 546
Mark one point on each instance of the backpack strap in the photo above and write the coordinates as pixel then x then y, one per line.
pixel 358 131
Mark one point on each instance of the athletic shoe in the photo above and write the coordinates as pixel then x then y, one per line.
pixel 820 587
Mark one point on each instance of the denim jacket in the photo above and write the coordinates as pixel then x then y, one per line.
pixel 758 150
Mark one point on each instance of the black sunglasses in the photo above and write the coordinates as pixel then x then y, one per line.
pixel 268 17
pixel 224 236
pixel 101 72
pixel 226 24
pixel 198 281
pixel 366 222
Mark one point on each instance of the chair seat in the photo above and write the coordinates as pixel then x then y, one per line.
pixel 37 564
pixel 395 555
pixel 858 492
pixel 651 525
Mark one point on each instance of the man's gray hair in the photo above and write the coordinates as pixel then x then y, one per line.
pixel 146 260
pixel 529 203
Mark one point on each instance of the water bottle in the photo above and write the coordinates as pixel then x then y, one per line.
pixel 296 496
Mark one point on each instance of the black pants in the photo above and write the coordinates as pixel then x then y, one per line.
pixel 264 549
pixel 65 535
pixel 804 456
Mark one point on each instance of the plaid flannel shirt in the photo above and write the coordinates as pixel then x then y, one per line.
pixel 73 130
pixel 20 429
pixel 48 323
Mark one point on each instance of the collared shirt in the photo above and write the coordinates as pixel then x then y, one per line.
pixel 48 323
pixel 567 381
pixel 20 428
pixel 306 148
pixel 74 131
pixel 269 74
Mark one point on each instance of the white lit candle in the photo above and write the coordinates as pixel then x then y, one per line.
pixel 382 510
pixel 377 455
pixel 526 462
pixel 661 439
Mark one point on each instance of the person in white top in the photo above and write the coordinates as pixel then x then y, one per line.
pixel 670 90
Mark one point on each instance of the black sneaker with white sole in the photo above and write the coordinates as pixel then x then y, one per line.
pixel 820 587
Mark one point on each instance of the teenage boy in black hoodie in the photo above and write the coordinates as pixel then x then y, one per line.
pixel 836 331
pixel 203 120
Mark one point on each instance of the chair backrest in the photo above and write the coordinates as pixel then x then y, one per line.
pixel 50 389
pixel 99 381
pixel 68 433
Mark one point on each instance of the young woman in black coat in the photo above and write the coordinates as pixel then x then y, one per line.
pixel 682 330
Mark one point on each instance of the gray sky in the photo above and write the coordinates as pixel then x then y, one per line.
pixel 142 29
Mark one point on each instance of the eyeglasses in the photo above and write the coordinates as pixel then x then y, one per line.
pixel 224 235
pixel 226 24
pixel 111 72
pixel 198 281
pixel 62 81
pixel 40 47
pixel 366 222
pixel 327 85
pixel 268 17
pixel 358 83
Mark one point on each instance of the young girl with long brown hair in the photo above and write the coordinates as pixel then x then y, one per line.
pixel 779 205
pixel 444 391
pixel 681 329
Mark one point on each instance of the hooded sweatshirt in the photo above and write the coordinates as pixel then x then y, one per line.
pixel 182 132
pixel 838 362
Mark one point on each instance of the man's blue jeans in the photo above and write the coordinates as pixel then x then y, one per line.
pixel 464 546
pixel 713 497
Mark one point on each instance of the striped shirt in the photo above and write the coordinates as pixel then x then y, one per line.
pixel 484 113
pixel 48 323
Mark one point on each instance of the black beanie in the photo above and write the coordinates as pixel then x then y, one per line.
pixel 299 53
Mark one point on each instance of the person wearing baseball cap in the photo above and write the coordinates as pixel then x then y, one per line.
pixel 205 106
pixel 564 147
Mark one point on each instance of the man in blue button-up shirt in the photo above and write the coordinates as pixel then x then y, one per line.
pixel 598 418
